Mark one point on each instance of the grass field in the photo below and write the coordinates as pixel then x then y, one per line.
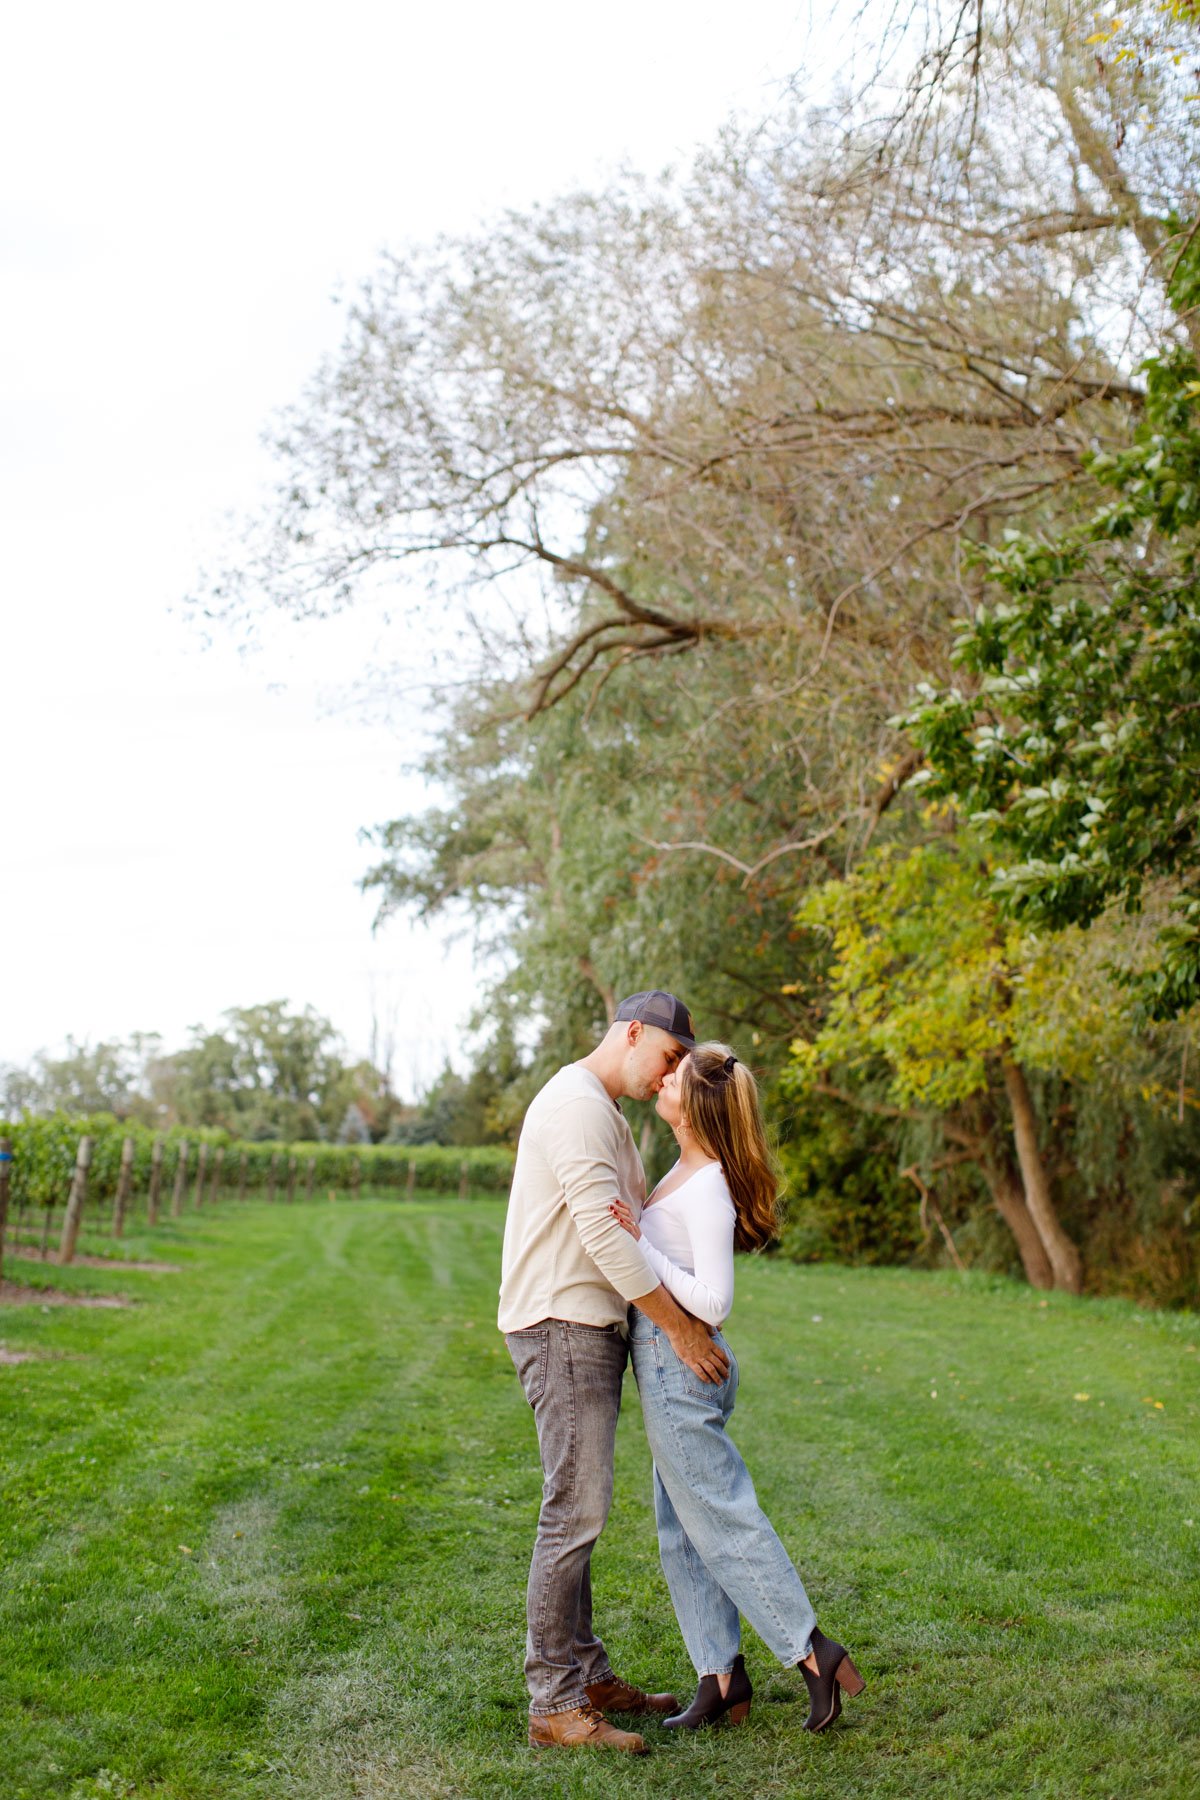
pixel 264 1532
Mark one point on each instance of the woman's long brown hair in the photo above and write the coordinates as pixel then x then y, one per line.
pixel 719 1099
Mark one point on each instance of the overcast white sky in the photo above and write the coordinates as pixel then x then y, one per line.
pixel 186 190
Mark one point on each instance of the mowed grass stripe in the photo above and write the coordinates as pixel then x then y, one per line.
pixel 266 1532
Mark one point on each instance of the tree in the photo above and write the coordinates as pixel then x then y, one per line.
pixel 926 981
pixel 691 466
pixel 762 403
pixel 730 432
pixel 353 1128
pixel 20 1091
pixel 111 1076
pixel 268 1073
pixel 555 846
pixel 1074 740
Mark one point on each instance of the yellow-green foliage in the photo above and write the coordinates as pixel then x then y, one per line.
pixel 927 976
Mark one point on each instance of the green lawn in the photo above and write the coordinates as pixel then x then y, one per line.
pixel 265 1532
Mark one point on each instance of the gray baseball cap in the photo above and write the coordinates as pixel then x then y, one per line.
pixel 667 1011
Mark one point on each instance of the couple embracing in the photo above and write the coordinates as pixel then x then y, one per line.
pixel 594 1274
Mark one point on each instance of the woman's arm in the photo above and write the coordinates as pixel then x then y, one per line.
pixel 708 1220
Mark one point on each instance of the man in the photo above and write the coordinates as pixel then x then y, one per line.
pixel 569 1274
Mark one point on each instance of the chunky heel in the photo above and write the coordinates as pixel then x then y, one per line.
pixel 740 1713
pixel 849 1677
pixel 834 1670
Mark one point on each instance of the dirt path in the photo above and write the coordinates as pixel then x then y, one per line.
pixel 12 1294
pixel 80 1261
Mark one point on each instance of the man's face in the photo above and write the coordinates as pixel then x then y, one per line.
pixel 652 1056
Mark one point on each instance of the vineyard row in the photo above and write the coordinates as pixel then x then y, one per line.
pixel 101 1163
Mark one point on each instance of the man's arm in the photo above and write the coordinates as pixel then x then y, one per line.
pixel 580 1145
pixel 691 1341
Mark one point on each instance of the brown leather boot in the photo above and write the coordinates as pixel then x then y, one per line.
pixel 582 1726
pixel 615 1695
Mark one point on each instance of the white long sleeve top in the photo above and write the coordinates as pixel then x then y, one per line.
pixel 687 1236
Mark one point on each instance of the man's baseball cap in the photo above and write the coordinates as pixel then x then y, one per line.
pixel 666 1011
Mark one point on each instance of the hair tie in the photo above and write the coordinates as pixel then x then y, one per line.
pixel 729 1062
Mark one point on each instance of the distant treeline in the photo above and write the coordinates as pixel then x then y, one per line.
pixel 268 1073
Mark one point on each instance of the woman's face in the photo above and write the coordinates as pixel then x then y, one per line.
pixel 667 1104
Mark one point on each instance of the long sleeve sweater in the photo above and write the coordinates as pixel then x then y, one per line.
pixel 565 1256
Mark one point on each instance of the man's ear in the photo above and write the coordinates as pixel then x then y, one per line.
pixel 634 1032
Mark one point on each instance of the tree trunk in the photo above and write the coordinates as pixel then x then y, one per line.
pixel 1005 1188
pixel 5 1172
pixel 646 1138
pixel 1064 1257
pixel 606 991
pixel 156 1163
pixel 70 1230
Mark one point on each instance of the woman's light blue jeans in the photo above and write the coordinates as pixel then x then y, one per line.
pixel 720 1553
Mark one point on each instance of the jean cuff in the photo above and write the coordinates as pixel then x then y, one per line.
pixel 549 1712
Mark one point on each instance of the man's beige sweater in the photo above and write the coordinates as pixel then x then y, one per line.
pixel 565 1256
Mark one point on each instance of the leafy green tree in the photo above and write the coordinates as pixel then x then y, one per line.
pixel 111 1077
pixel 692 464
pixel 848 1196
pixel 748 414
pixel 20 1091
pixel 569 844
pixel 928 982
pixel 268 1073
pixel 1074 740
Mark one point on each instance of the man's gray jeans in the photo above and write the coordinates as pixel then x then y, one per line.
pixel 571 1374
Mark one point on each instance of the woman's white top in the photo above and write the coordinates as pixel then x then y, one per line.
pixel 688 1240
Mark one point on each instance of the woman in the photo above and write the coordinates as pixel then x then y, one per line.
pixel 720 1554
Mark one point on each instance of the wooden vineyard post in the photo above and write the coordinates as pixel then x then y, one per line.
pixel 291 1180
pixel 19 1233
pixel 214 1186
pixel 201 1169
pixel 124 1184
pixel 463 1181
pixel 309 1176
pixel 271 1174
pixel 70 1230
pixel 243 1165
pixel 410 1186
pixel 5 1173
pixel 180 1179
pixel 156 1162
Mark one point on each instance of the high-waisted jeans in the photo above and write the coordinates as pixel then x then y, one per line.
pixel 720 1553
